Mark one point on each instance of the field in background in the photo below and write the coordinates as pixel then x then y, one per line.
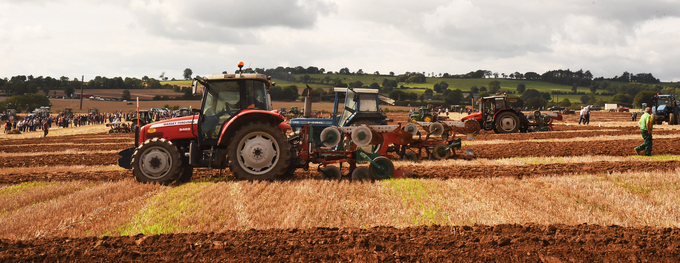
pixel 419 88
pixel 111 106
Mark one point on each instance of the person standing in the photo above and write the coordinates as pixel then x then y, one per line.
pixel 633 115
pixel 45 128
pixel 587 116
pixel 583 115
pixel 646 126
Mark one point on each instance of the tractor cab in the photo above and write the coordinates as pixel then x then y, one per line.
pixel 227 95
pixel 351 107
pixel 665 109
pixel 361 106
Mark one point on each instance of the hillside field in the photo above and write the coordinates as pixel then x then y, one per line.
pixel 462 84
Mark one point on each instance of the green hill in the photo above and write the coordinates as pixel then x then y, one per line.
pixel 507 85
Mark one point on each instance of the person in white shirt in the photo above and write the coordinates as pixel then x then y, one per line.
pixel 583 115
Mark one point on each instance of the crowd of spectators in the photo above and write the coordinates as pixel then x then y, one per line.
pixel 33 123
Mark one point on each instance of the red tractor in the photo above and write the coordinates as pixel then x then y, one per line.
pixel 235 127
pixel 496 114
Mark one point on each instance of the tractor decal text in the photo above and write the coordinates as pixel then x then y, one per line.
pixel 174 123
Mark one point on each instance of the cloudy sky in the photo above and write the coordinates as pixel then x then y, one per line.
pixel 147 37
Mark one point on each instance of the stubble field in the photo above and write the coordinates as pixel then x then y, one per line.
pixel 576 194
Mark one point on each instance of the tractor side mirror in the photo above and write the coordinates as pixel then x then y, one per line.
pixel 194 86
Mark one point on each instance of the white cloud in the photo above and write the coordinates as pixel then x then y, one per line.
pixel 147 37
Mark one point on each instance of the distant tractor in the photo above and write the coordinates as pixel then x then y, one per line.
pixel 144 119
pixel 496 114
pixel 665 109
pixel 184 112
pixel 93 111
pixel 68 113
pixel 423 114
pixel 11 114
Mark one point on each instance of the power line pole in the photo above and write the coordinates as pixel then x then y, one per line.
pixel 82 79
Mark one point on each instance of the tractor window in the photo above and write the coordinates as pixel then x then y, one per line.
pixel 221 102
pixel 500 104
pixel 367 102
pixel 257 95
pixel 350 107
pixel 663 101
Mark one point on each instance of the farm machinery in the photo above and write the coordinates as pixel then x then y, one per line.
pixel 361 125
pixel 497 115
pixel 144 117
pixel 666 109
pixel 235 127
pixel 118 127
pixel 425 114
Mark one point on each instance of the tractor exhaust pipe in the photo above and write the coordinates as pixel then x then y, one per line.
pixel 308 103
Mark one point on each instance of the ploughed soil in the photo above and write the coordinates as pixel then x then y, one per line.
pixel 424 171
pixel 102 150
pixel 500 243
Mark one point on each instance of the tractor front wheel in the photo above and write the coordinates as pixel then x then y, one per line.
pixel 259 151
pixel 156 161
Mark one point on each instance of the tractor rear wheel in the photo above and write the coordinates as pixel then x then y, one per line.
pixel 156 161
pixel 507 122
pixel 259 151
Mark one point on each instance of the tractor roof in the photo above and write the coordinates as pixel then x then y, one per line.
pixel 236 76
pixel 357 90
pixel 365 91
pixel 494 97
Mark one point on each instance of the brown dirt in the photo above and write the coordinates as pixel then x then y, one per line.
pixel 539 169
pixel 506 243
pixel 577 148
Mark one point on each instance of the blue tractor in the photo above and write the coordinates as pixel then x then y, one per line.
pixel 351 107
pixel 665 109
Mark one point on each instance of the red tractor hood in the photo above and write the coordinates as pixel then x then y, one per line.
pixel 172 129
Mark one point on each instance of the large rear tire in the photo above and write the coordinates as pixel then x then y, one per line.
pixel 259 151
pixel 507 122
pixel 156 161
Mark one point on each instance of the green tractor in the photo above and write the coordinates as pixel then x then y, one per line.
pixel 424 114
pixel 144 119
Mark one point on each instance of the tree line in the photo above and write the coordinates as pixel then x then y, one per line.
pixel 21 84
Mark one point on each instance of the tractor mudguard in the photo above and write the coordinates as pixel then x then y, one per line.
pixel 260 115
pixel 125 160
pixel 283 126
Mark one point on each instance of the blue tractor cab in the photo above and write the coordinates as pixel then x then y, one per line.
pixel 665 109
pixel 351 107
